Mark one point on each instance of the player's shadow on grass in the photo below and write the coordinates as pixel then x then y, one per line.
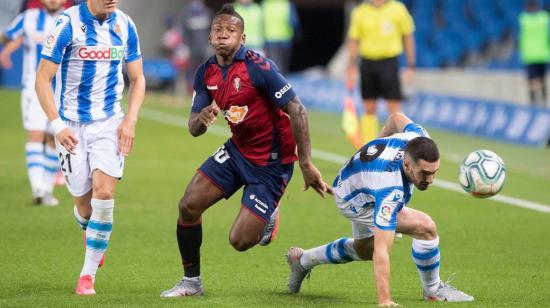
pixel 313 298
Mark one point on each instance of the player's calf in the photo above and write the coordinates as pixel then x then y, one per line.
pixel 247 230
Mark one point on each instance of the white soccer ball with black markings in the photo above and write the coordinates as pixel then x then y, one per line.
pixel 482 174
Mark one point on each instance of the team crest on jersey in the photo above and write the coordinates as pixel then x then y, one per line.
pixel 237 83
pixel 117 29
pixel 236 114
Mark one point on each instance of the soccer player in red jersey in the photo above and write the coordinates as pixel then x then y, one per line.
pixel 267 122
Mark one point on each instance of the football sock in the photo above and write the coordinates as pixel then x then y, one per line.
pixel 425 255
pixel 51 165
pixel 82 222
pixel 34 152
pixel 369 125
pixel 97 234
pixel 337 252
pixel 189 243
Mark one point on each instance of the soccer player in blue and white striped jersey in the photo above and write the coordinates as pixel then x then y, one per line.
pixel 29 29
pixel 86 50
pixel 372 190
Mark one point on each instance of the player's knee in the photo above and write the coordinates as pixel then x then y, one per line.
pixel 429 229
pixel 189 211
pixel 240 244
pixel 103 192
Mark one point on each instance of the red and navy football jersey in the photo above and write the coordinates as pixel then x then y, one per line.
pixel 250 93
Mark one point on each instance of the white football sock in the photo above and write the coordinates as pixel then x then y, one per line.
pixel 426 256
pixel 82 222
pixel 34 151
pixel 51 166
pixel 337 252
pixel 97 234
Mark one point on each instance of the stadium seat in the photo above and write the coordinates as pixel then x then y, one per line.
pixel 159 73
pixel 449 30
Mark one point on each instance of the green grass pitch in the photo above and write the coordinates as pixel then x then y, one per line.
pixel 500 253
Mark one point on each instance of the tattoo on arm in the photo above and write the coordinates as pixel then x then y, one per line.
pixel 298 119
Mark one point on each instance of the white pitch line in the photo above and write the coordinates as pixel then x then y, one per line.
pixel 181 121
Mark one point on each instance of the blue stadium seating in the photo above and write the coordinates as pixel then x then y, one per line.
pixel 447 31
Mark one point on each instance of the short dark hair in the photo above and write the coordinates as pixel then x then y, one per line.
pixel 229 9
pixel 422 148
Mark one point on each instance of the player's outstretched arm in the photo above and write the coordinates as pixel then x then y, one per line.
pixel 298 118
pixel 43 87
pixel 136 93
pixel 396 123
pixel 383 242
pixel 9 48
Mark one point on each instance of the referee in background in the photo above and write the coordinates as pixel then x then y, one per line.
pixel 379 29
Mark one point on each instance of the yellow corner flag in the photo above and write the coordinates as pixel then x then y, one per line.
pixel 350 122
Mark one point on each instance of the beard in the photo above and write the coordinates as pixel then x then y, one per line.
pixel 422 186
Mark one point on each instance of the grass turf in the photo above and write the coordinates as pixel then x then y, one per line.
pixel 499 253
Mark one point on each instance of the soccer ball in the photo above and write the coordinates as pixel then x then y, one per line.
pixel 482 174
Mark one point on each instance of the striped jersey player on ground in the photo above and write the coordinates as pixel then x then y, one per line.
pixel 268 122
pixel 29 29
pixel 372 190
pixel 85 51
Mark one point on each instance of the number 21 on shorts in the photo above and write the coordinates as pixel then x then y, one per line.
pixel 65 159
pixel 221 155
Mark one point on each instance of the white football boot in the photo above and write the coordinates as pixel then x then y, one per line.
pixel 185 287
pixel 297 271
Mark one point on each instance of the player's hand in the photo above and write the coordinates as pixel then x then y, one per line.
pixel 208 115
pixel 126 133
pixel 313 178
pixel 389 304
pixel 408 75
pixel 5 61
pixel 68 140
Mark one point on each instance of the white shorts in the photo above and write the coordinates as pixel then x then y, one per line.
pixel 362 218
pixel 97 148
pixel 34 117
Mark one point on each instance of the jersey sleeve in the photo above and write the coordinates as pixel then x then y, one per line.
pixel 266 77
pixel 59 38
pixel 406 23
pixel 354 32
pixel 387 205
pixel 133 50
pixel 201 96
pixel 16 29
pixel 417 129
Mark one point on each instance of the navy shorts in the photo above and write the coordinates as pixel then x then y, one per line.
pixel 536 70
pixel 264 186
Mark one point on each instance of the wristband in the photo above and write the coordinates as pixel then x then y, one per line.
pixel 58 125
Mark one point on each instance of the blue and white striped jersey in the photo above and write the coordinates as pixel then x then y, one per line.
pixel 33 25
pixel 374 177
pixel 89 83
